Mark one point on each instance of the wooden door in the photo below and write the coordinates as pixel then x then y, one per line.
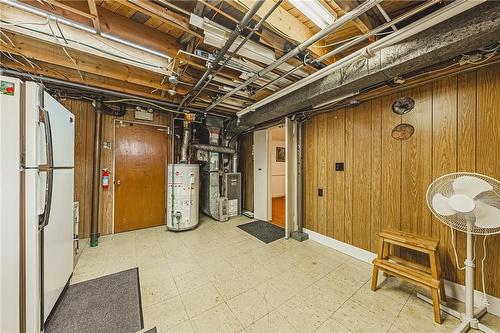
pixel 140 162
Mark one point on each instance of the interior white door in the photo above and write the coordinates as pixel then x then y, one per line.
pixel 290 176
pixel 261 175
pixel 58 239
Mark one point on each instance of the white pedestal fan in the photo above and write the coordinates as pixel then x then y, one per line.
pixel 470 203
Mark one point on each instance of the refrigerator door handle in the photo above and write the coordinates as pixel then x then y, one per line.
pixel 43 116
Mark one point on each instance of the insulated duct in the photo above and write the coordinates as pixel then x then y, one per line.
pixel 214 148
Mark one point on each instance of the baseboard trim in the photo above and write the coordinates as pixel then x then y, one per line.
pixel 453 289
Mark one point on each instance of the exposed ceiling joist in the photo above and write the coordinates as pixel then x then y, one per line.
pixel 95 20
pixel 285 23
pixel 362 26
pixel 83 41
pixel 45 52
pixel 166 16
pixel 71 9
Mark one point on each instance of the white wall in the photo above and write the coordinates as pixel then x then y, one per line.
pixel 277 170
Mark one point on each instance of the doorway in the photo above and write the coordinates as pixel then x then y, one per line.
pixel 277 153
pixel 140 163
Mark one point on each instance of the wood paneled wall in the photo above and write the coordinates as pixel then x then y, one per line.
pixel 84 146
pixel 457 128
pixel 246 169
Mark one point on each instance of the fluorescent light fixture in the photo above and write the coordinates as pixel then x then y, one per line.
pixel 315 11
pixel 36 11
pixel 60 19
pixel 137 46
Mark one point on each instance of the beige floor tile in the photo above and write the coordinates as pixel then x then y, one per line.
pixel 417 316
pixel 249 307
pixel 309 309
pixel 201 299
pixel 277 291
pixel 273 322
pixel 218 319
pixel 192 280
pixel 157 289
pixel 231 286
pixel 358 319
pixel 332 326
pixel 166 314
pixel 184 327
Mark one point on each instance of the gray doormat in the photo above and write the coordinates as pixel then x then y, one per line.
pixel 111 303
pixel 264 231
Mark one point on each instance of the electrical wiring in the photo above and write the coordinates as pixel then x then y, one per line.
pixel 143 102
pixel 485 300
pixel 64 49
pixel 8 38
pixel 455 249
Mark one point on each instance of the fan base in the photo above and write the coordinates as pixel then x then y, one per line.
pixel 466 322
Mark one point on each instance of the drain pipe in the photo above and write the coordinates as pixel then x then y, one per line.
pixel 361 9
pixel 440 15
pixel 94 222
pixel 300 235
pixel 220 55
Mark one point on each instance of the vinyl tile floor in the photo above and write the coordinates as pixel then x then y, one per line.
pixel 218 278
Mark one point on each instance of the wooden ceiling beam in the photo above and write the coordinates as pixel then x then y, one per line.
pixel 120 26
pixel 54 71
pixel 95 20
pixel 163 14
pixel 342 10
pixel 39 51
pixel 284 22
pixel 82 13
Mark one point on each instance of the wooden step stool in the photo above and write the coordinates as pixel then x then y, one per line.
pixel 420 275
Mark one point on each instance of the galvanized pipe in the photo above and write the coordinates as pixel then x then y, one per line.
pixel 256 28
pixel 214 148
pixel 94 222
pixel 445 13
pixel 220 55
pixel 186 137
pixel 235 159
pixel 358 40
pixel 361 9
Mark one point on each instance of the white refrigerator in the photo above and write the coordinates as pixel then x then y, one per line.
pixel 36 202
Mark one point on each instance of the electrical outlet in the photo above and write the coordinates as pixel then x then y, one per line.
pixel 339 166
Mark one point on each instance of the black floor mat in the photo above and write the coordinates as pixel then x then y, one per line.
pixel 264 231
pixel 111 303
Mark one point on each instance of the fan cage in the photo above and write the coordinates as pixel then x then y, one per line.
pixel 459 221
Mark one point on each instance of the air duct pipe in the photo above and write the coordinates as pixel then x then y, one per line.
pixel 235 159
pixel 358 40
pixel 186 137
pixel 361 9
pixel 440 15
pixel 94 222
pixel 220 55
pixel 214 148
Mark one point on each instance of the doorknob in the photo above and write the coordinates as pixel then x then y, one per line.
pixel 118 182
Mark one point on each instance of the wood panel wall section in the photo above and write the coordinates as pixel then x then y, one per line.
pixel 84 146
pixel 457 128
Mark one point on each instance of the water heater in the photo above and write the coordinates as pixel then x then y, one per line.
pixel 183 196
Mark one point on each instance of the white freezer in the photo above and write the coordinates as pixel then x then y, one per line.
pixel 25 184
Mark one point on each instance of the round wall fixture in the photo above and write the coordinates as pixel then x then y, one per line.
pixel 402 132
pixel 403 105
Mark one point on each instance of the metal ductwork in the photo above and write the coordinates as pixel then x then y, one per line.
pixel 186 138
pixel 214 148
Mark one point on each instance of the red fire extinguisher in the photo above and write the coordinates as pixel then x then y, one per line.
pixel 105 179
